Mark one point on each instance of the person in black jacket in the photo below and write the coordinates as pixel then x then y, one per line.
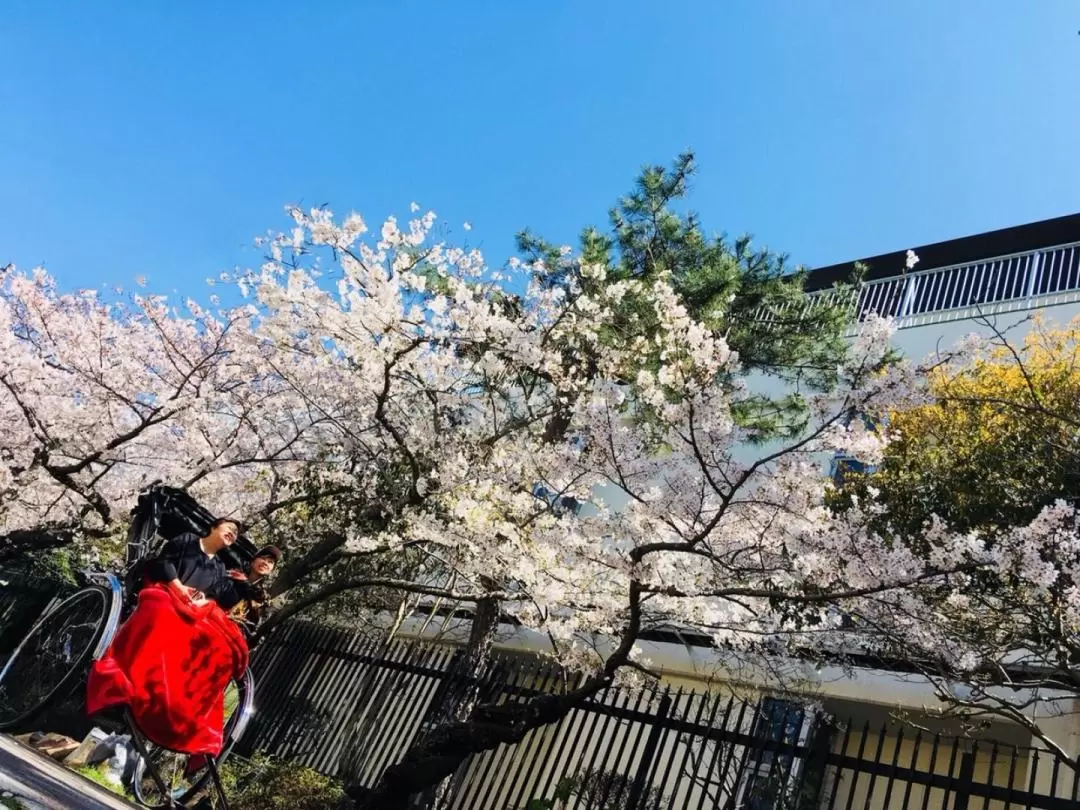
pixel 252 584
pixel 188 565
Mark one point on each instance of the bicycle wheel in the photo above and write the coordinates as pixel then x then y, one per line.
pixel 183 775
pixel 52 655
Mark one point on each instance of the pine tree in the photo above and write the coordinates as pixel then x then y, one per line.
pixel 751 295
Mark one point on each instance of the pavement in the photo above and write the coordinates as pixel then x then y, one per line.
pixel 37 782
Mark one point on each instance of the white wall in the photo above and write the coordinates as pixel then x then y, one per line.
pixel 919 342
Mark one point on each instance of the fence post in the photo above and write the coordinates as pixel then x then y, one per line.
pixel 637 790
pixel 964 780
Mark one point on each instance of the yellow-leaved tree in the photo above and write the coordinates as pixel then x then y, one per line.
pixel 1000 441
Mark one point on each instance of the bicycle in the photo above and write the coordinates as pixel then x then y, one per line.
pixel 55 655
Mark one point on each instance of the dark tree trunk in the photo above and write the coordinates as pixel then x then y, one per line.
pixel 317 556
pixel 466 678
pixel 21 542
pixel 471 667
pixel 445 749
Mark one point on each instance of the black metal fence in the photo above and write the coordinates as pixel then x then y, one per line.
pixel 349 705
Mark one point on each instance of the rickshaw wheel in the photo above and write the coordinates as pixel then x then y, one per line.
pixel 53 656
pixel 182 774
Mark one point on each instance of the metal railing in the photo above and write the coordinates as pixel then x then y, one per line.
pixel 350 705
pixel 1015 282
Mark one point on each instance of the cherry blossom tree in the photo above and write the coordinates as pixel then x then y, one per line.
pixel 749 294
pixel 391 404
pixel 452 398
pixel 98 399
pixel 992 456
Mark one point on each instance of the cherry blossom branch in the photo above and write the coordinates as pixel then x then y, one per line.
pixel 335 588
pixel 825 596
pixel 984 703
pixel 18 543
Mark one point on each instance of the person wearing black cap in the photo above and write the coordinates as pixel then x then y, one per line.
pixel 250 609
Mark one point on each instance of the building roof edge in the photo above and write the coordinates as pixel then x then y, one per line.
pixel 1006 241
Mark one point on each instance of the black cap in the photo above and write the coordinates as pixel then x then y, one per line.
pixel 273 552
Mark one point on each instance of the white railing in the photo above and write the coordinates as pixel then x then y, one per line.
pixel 1020 281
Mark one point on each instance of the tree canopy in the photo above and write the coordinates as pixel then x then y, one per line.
pixel 386 396
pixel 999 441
pixel 752 296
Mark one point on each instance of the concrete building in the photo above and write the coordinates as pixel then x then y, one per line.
pixel 1005 274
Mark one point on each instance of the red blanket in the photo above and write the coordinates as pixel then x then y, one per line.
pixel 170 664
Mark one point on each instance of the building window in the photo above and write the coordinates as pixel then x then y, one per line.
pixel 767 771
pixel 844 466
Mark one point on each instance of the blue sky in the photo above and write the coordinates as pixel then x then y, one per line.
pixel 159 139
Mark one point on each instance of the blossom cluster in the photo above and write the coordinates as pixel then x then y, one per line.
pixel 426 397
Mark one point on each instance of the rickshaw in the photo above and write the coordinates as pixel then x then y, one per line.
pixel 54 657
